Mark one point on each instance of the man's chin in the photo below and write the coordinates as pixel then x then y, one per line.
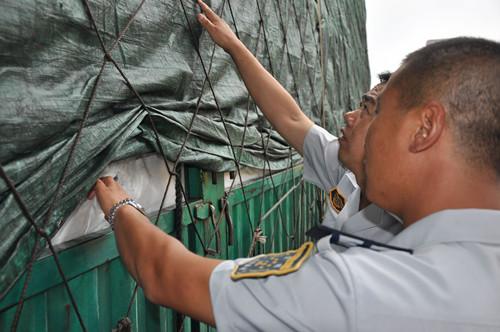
pixel 342 158
pixel 374 196
pixel 344 165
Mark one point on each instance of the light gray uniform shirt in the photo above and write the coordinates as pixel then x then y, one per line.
pixel 323 168
pixel 450 283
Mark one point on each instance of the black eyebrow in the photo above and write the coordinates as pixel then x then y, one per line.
pixel 367 98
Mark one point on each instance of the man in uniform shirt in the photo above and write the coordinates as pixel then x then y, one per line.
pixel 333 164
pixel 336 166
pixel 432 158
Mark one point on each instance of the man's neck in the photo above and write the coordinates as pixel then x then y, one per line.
pixel 442 193
pixel 363 201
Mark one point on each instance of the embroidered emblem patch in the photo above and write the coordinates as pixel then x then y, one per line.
pixel 337 200
pixel 273 264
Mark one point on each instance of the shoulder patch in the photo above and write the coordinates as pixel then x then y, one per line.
pixel 337 200
pixel 273 264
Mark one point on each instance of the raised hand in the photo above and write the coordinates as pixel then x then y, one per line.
pixel 274 101
pixel 217 28
pixel 108 192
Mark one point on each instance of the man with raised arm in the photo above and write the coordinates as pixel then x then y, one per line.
pixel 432 158
pixel 334 165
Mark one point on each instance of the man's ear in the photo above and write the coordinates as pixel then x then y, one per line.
pixel 430 125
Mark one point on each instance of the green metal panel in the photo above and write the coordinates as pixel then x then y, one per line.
pixel 103 288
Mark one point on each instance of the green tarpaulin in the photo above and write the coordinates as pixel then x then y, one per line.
pixel 51 58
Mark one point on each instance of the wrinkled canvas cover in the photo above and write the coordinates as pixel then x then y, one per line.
pixel 50 58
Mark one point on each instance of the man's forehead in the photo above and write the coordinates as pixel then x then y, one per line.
pixel 377 89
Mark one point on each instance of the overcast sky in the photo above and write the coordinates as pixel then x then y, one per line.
pixel 397 27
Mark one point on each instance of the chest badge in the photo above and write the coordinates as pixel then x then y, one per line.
pixel 337 200
pixel 273 264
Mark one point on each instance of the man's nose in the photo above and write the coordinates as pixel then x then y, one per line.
pixel 350 118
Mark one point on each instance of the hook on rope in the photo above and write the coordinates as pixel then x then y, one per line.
pixel 227 215
pixel 203 212
pixel 123 325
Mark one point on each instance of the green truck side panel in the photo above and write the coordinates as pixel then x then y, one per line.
pixel 103 288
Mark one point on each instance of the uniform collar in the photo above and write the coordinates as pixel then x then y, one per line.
pixel 464 225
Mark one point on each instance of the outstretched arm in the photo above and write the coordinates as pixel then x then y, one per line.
pixel 169 274
pixel 273 100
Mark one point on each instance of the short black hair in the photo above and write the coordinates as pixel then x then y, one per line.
pixel 384 76
pixel 463 74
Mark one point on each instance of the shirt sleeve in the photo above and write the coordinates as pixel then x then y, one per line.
pixel 317 297
pixel 321 163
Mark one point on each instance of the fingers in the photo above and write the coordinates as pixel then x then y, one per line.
pixel 99 189
pixel 92 192
pixel 108 192
pixel 205 22
pixel 208 12
pixel 107 180
pixel 101 185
